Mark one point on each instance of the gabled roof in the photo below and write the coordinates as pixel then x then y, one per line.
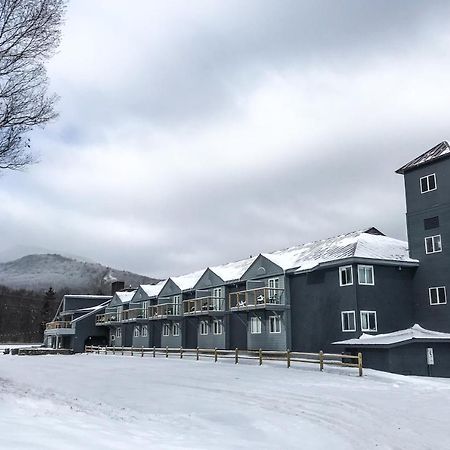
pixel 188 281
pixel 415 333
pixel 441 150
pixel 366 244
pixel 153 290
pixel 234 270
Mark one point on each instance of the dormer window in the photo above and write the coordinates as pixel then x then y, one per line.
pixel 428 183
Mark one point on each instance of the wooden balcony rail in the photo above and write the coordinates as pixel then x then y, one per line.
pixel 58 324
pixel 203 305
pixel 256 298
pixel 103 319
pixel 164 310
pixel 287 356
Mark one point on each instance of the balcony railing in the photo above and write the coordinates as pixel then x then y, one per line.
pixel 164 310
pixel 256 298
pixel 107 318
pixel 203 305
pixel 58 324
pixel 135 313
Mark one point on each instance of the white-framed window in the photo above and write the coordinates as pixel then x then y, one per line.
pixel 145 309
pixel 345 275
pixel 438 295
pixel 348 320
pixel 274 324
pixel 204 327
pixel 255 325
pixel 274 285
pixel 118 332
pixel 217 326
pixel 166 329
pixel 365 275
pixel 137 331
pixel 428 183
pixel 217 299
pixel 144 330
pixel 176 299
pixel 433 244
pixel 368 321
pixel 176 329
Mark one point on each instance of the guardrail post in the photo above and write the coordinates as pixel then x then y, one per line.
pixel 321 360
pixel 142 351
pixel 236 355
pixel 122 350
pixel 114 349
pixel 106 350
pixel 98 350
pixel 181 352
pixel 360 367
pixel 131 350
pixel 167 351
pixel 288 358
pixel 198 355
pixel 215 354
pixel 260 357
pixel 154 351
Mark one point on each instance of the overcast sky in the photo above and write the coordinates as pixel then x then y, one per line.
pixel 193 133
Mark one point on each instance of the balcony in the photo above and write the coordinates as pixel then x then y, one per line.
pixel 131 315
pixel 59 327
pixel 107 318
pixel 204 306
pixel 164 311
pixel 259 298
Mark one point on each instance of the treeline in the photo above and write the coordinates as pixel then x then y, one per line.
pixel 23 314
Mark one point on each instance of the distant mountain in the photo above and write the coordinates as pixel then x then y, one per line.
pixel 18 251
pixel 66 275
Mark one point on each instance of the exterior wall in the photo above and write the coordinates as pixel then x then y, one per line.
pixel 434 268
pixel 171 340
pixel 87 333
pixel 212 340
pixel 266 340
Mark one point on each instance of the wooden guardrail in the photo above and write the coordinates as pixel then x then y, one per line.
pixel 321 358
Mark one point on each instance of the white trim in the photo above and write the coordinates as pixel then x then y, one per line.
pixel 137 331
pixel 344 269
pixel 376 321
pixel 144 331
pixel 166 329
pixel 175 327
pixel 217 327
pixel 437 295
pixel 276 319
pixel 365 267
pixel 119 332
pixel 354 321
pixel 255 329
pixel 427 177
pixel 204 328
pixel 433 244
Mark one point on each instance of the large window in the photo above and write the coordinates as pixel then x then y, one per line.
pixel 368 321
pixel 428 183
pixel 217 299
pixel 433 244
pixel 145 309
pixel 204 327
pixel 274 293
pixel 137 331
pixel 348 321
pixel 144 330
pixel 345 275
pixel 365 275
pixel 255 325
pixel 176 329
pixel 438 295
pixel 166 329
pixel 176 304
pixel 274 324
pixel 217 326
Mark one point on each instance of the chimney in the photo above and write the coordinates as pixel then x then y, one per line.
pixel 117 286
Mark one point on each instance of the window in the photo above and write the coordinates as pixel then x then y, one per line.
pixel 368 321
pixel 217 299
pixel 255 325
pixel 217 327
pixel 137 331
pixel 204 327
pixel 433 244
pixel 431 222
pixel 166 329
pixel 176 301
pixel 345 275
pixel 275 324
pixel 365 275
pixel 145 310
pixel 438 295
pixel 118 332
pixel 144 330
pixel 348 321
pixel 176 329
pixel 274 285
pixel 428 183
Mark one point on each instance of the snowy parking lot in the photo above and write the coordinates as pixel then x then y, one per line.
pixel 120 402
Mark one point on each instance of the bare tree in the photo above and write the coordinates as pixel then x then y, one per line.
pixel 29 35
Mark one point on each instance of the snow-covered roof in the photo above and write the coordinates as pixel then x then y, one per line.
pixel 125 296
pixel 416 332
pixel 441 150
pixel 188 281
pixel 369 244
pixel 152 290
pixel 234 270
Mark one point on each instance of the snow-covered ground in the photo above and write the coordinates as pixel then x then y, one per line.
pixel 122 402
